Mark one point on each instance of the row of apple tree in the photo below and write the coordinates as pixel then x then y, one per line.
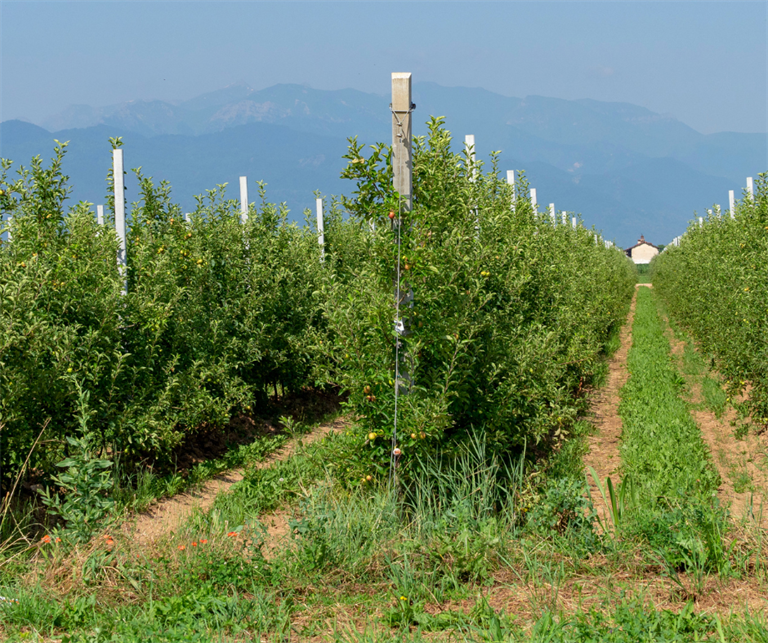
pixel 715 283
pixel 507 323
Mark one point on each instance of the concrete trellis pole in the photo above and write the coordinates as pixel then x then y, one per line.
pixel 564 217
pixel 187 218
pixel 573 222
pixel 511 182
pixel 751 188
pixel 402 162
pixel 534 202
pixel 732 203
pixel 320 228
pixel 119 182
pixel 243 199
pixel 402 169
pixel 469 146
pixel 100 214
pixel 701 222
pixel 552 214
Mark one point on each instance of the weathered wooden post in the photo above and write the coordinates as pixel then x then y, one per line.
pixel 402 179
pixel 119 187
pixel 243 199
pixel 100 214
pixel 511 182
pixel 732 203
pixel 320 228
pixel 751 188
pixel 402 163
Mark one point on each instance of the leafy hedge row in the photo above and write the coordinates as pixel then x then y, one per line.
pixel 715 283
pixel 510 314
pixel 215 312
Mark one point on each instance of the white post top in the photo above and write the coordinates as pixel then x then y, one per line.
pixel 401 91
pixel 243 199
pixel 469 141
pixel 701 221
pixel 510 177
pixel 750 186
pixel 732 203
pixel 573 221
pixel 100 214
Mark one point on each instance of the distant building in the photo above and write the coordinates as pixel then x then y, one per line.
pixel 642 251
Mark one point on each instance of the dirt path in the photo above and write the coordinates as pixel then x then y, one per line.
pixel 170 513
pixel 603 455
pixel 741 463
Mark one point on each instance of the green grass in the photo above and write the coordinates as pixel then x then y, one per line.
pixel 664 456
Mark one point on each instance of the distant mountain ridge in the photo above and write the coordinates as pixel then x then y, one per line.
pixel 629 170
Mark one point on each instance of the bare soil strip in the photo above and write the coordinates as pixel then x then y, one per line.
pixel 741 463
pixel 167 515
pixel 603 455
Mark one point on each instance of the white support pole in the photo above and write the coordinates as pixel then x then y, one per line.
pixel 320 228
pixel 573 222
pixel 552 213
pixel 100 214
pixel 511 181
pixel 564 217
pixel 119 181
pixel 243 199
pixel 701 222
pixel 534 202
pixel 469 146
pixel 751 188
pixel 187 218
pixel 732 203
pixel 717 210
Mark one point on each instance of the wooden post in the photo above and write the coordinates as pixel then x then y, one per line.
pixel 552 214
pixel 100 214
pixel 243 199
pixel 320 228
pixel 751 188
pixel 402 163
pixel 511 182
pixel 732 203
pixel 402 169
pixel 119 181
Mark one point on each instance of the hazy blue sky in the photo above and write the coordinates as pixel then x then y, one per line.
pixel 704 62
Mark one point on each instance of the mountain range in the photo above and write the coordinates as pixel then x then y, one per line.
pixel 627 170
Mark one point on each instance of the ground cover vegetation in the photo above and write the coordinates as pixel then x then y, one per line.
pixel 715 285
pixel 489 533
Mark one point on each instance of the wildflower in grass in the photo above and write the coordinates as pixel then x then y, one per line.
pixel 182 547
pixel 403 598
pixel 45 539
pixel 204 541
pixel 232 534
pixel 194 543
